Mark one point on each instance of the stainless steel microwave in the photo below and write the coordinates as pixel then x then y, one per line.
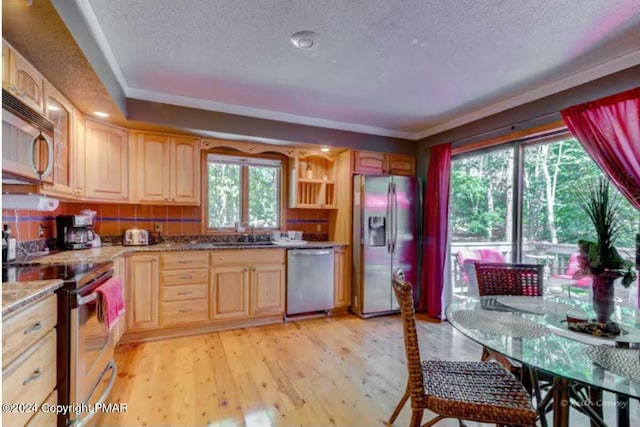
pixel 27 142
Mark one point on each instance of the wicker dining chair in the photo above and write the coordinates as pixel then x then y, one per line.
pixel 508 279
pixel 475 391
pixel 520 280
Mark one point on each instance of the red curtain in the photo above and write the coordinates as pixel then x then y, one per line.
pixel 609 129
pixel 436 222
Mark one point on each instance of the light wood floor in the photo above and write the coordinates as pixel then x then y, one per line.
pixel 342 371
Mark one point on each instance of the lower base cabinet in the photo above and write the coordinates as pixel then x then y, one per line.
pixel 173 292
pixel 142 292
pixel 267 289
pixel 229 292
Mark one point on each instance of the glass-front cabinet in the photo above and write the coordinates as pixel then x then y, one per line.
pixel 59 111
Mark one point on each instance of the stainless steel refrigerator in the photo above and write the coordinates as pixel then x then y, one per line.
pixel 385 211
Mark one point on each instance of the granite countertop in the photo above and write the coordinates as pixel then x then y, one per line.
pixel 110 253
pixel 16 295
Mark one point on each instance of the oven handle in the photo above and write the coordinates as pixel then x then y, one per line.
pixel 86 300
pixel 79 422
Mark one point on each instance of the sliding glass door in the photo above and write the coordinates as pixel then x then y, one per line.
pixel 517 203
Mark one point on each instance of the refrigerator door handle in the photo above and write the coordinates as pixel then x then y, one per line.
pixel 394 230
pixel 388 219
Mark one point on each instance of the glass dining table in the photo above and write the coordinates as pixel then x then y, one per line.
pixel 534 331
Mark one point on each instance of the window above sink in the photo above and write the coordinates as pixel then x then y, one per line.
pixel 242 189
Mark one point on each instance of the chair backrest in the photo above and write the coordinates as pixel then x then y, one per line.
pixel 404 295
pixel 465 254
pixel 491 255
pixel 574 264
pixel 509 279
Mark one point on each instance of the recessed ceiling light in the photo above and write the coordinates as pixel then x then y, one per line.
pixel 53 107
pixel 325 149
pixel 304 40
pixel 100 114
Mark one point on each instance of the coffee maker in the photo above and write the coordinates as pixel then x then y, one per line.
pixel 75 232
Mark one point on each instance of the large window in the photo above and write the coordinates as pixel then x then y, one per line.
pixel 243 189
pixel 516 203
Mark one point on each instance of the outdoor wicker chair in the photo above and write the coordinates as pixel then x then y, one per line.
pixel 475 391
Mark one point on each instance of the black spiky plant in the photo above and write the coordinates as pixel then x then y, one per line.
pixel 601 258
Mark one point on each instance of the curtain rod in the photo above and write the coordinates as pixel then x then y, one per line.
pixel 511 127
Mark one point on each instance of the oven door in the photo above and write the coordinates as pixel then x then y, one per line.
pixel 92 347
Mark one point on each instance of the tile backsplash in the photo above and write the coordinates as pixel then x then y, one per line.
pixel 113 219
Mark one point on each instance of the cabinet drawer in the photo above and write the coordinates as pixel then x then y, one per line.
pixel 45 419
pixel 177 312
pixel 247 256
pixel 179 277
pixel 27 327
pixel 180 292
pixel 182 260
pixel 31 378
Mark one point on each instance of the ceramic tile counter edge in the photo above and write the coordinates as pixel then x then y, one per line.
pixel 16 295
pixel 110 253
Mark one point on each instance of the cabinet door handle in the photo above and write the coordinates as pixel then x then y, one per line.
pixel 253 269
pixel 184 293
pixel 184 262
pixel 189 277
pixel 184 310
pixel 246 269
pixel 33 328
pixel 36 374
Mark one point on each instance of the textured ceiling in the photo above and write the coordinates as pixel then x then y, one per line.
pixel 388 67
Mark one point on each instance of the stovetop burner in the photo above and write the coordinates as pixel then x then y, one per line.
pixel 70 273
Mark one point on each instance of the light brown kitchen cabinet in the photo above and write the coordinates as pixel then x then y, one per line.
pixel 367 162
pixel 107 161
pixel 184 157
pixel 342 277
pixel 5 65
pixel 24 81
pixel 400 164
pixel 313 180
pixel 78 162
pixel 29 360
pixel 184 296
pixel 120 272
pixel 229 291
pixel 60 111
pixel 267 289
pixel 142 292
pixel 165 169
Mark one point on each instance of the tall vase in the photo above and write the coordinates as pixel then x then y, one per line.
pixel 603 298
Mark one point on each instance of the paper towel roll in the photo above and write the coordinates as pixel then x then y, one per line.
pixel 31 202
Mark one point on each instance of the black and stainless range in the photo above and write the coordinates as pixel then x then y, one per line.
pixel 85 345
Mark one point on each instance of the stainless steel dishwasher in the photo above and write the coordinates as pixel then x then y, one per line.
pixel 309 280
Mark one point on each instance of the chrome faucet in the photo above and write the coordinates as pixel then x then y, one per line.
pixel 252 238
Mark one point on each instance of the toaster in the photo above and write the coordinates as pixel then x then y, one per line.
pixel 135 237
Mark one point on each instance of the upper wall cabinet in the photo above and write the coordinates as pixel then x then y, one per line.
pixel 60 112
pixel 313 180
pixel 22 79
pixel 165 169
pixel 366 162
pixel 106 160
pixel 78 165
